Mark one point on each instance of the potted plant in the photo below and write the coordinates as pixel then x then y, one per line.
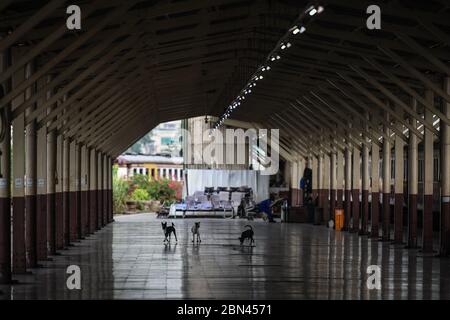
pixel 120 193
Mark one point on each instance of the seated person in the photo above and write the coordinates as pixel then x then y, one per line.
pixel 245 206
pixel 266 206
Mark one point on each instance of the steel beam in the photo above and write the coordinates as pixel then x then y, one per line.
pixel 29 23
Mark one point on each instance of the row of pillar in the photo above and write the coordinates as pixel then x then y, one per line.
pixel 355 171
pixel 53 190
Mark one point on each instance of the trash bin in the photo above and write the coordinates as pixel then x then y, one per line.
pixel 338 219
pixel 318 213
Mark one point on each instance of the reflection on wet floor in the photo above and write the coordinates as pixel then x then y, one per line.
pixel 128 260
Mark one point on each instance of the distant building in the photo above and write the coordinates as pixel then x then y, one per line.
pixel 166 139
pixel 152 166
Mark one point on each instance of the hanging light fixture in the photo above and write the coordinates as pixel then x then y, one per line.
pixel 283 44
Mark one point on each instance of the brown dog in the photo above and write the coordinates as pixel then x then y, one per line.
pixel 196 232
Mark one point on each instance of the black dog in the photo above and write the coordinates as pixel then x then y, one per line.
pixel 168 230
pixel 247 234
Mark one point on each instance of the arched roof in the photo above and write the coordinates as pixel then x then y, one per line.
pixel 137 63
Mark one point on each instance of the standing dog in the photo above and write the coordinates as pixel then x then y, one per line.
pixel 195 231
pixel 168 230
pixel 247 234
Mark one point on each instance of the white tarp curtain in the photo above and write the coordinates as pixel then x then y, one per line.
pixel 198 179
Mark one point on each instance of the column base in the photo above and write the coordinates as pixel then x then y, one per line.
pixel 41 236
pixel 412 221
pixel 347 210
pixel 19 264
pixel 386 236
pixel 375 218
pixel 356 210
pixel 364 212
pixel 444 249
pixel 398 218
pixel 427 234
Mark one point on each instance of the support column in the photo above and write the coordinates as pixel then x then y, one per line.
pixel 333 185
pixel 5 182
pixel 427 234
pixel 111 186
pixel 93 191
pixel 50 180
pixel 375 206
pixel 105 190
pixel 110 199
pixel 66 190
pixel 315 181
pixel 365 190
pixel 356 208
pixel 41 198
pixel 301 168
pixel 294 183
pixel 320 190
pixel 101 218
pixel 326 188
pixel 413 181
pixel 51 192
pixel 444 248
pixel 348 188
pixel 78 190
pixel 30 181
pixel 59 197
pixel 398 187
pixel 19 251
pixel 340 179
pixel 72 191
pixel 84 196
pixel 386 184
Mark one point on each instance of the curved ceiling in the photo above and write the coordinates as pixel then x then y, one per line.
pixel 137 63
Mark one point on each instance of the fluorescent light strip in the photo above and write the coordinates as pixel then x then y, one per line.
pixel 272 57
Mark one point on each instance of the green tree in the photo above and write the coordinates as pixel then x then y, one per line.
pixel 120 192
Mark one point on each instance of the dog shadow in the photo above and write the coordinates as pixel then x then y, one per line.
pixel 195 244
pixel 195 250
pixel 247 248
pixel 170 248
pixel 243 249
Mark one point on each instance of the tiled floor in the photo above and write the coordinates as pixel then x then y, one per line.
pixel 128 260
